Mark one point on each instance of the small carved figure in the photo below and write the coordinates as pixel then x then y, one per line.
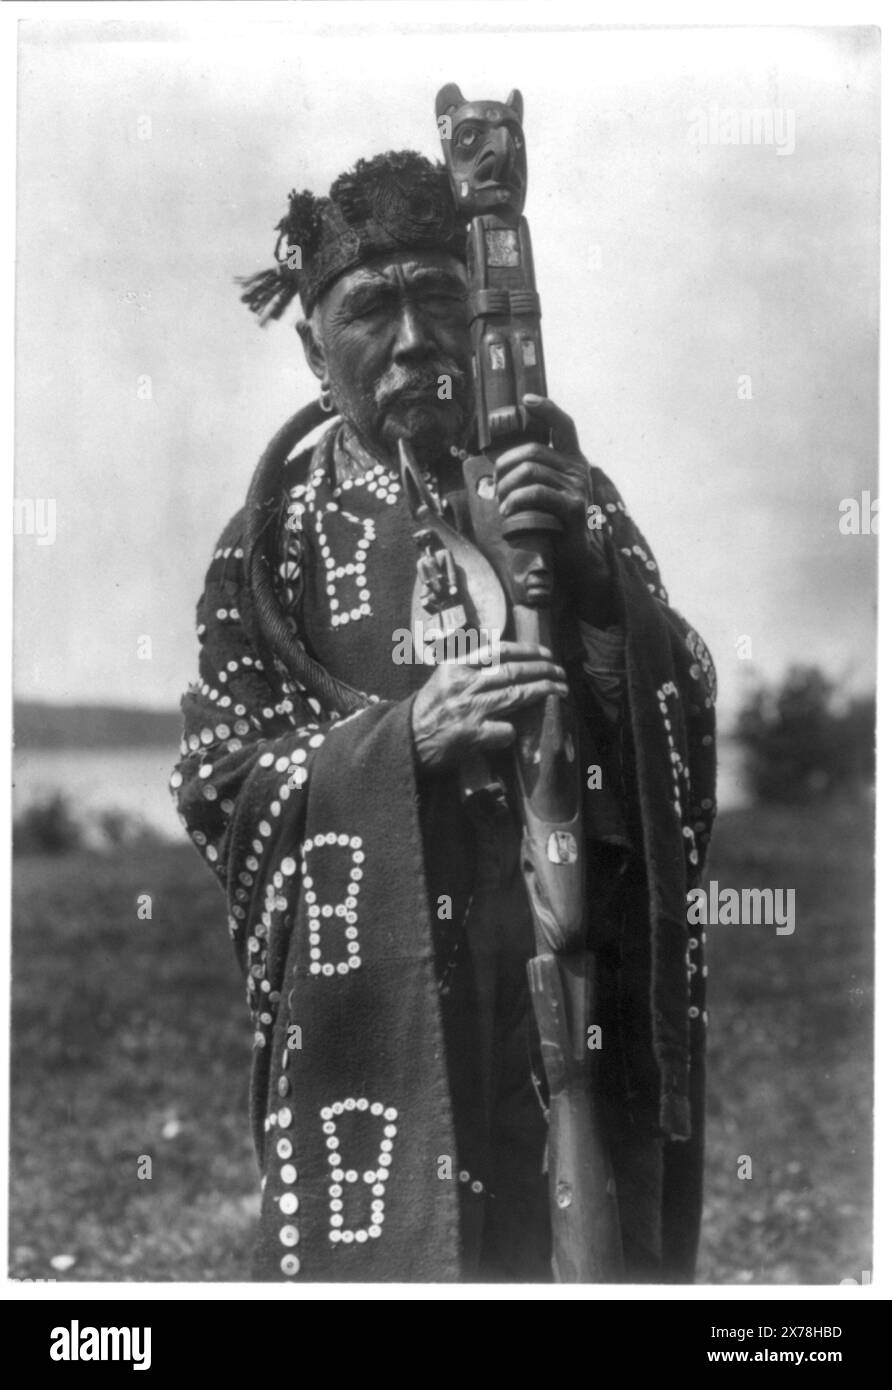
pixel 436 570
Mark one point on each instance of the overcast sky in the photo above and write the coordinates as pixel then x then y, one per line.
pixel 668 270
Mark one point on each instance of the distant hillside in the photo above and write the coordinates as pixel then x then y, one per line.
pixel 93 726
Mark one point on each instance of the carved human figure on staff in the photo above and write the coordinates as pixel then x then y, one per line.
pixel 376 908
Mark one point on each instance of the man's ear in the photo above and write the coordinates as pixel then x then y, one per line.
pixel 313 349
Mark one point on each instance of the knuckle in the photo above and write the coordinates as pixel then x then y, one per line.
pixel 461 708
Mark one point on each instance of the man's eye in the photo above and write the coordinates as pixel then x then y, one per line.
pixel 365 308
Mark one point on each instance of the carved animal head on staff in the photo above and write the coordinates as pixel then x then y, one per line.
pixel 485 152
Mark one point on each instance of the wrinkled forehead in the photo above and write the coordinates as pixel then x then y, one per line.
pixel 413 268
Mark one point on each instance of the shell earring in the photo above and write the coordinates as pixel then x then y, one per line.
pixel 325 400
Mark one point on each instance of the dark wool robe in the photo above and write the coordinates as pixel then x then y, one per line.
pixel 369 1089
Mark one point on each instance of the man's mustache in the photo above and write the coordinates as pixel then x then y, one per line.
pixel 418 381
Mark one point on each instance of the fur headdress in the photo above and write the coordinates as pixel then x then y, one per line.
pixel 397 201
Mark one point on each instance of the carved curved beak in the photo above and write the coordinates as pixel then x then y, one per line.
pixel 496 163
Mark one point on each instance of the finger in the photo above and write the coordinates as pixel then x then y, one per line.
pixel 518 696
pixel 500 652
pixel 523 651
pixel 563 463
pixel 495 733
pixel 563 430
pixel 538 498
pixel 554 471
pixel 518 672
pixel 506 691
pixel 532 450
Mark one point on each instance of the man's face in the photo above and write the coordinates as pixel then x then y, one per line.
pixel 397 348
pixel 531 574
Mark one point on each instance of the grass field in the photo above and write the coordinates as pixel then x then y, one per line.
pixel 130 1040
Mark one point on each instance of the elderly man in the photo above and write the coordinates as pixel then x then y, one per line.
pixel 398 1100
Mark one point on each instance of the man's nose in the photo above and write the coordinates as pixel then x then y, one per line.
pixel 410 334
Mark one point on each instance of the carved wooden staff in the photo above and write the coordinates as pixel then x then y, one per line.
pixel 485 154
